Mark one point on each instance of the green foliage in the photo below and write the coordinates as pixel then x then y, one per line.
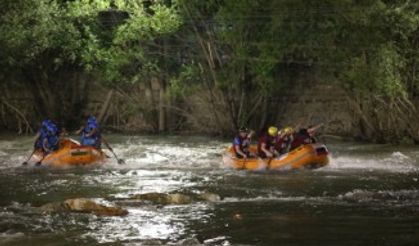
pixel 33 31
pixel 243 48
pixel 129 58
pixel 183 85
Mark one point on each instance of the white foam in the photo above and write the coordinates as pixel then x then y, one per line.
pixel 393 162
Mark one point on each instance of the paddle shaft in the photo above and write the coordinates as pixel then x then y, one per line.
pixel 268 165
pixel 26 162
pixel 40 161
pixel 244 163
pixel 120 161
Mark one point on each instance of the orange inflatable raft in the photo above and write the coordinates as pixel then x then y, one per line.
pixel 306 156
pixel 71 153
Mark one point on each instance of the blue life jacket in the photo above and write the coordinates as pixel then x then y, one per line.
pixel 52 142
pixel 242 143
pixel 52 137
pixel 53 128
pixel 237 141
pixel 40 140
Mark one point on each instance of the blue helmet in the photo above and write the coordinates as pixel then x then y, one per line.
pixel 52 129
pixel 92 122
pixel 49 127
pixel 45 123
pixel 91 119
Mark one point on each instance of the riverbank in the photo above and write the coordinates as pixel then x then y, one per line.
pixel 130 111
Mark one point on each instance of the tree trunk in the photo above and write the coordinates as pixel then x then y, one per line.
pixel 105 106
pixel 264 116
pixel 162 108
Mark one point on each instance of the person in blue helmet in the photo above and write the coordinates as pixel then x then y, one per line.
pixel 50 142
pixel 92 136
pixel 41 135
pixel 46 140
pixel 90 133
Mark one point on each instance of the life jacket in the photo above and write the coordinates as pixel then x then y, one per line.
pixel 52 142
pixel 40 140
pixel 243 144
pixel 51 137
pixel 269 142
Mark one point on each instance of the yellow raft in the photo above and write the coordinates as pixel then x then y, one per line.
pixel 305 156
pixel 71 153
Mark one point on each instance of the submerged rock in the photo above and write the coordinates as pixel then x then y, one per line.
pixel 163 198
pixel 83 205
pixel 173 198
pixel 209 197
pixel 189 242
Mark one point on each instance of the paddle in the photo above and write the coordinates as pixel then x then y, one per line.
pixel 269 163
pixel 120 161
pixel 244 163
pixel 26 162
pixel 38 163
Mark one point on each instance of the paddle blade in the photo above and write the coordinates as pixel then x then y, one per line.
pixel 120 161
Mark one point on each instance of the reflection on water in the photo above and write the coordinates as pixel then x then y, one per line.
pixel 368 195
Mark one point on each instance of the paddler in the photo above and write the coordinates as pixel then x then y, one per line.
pixel 91 136
pixel 41 141
pixel 41 135
pixel 305 136
pixel 90 133
pixel 284 139
pixel 50 142
pixel 266 143
pixel 241 143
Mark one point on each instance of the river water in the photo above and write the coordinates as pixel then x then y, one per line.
pixel 368 195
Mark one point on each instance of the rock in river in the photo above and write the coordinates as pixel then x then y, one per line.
pixel 173 198
pixel 163 198
pixel 83 205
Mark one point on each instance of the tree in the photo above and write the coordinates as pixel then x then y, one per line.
pixel 57 48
